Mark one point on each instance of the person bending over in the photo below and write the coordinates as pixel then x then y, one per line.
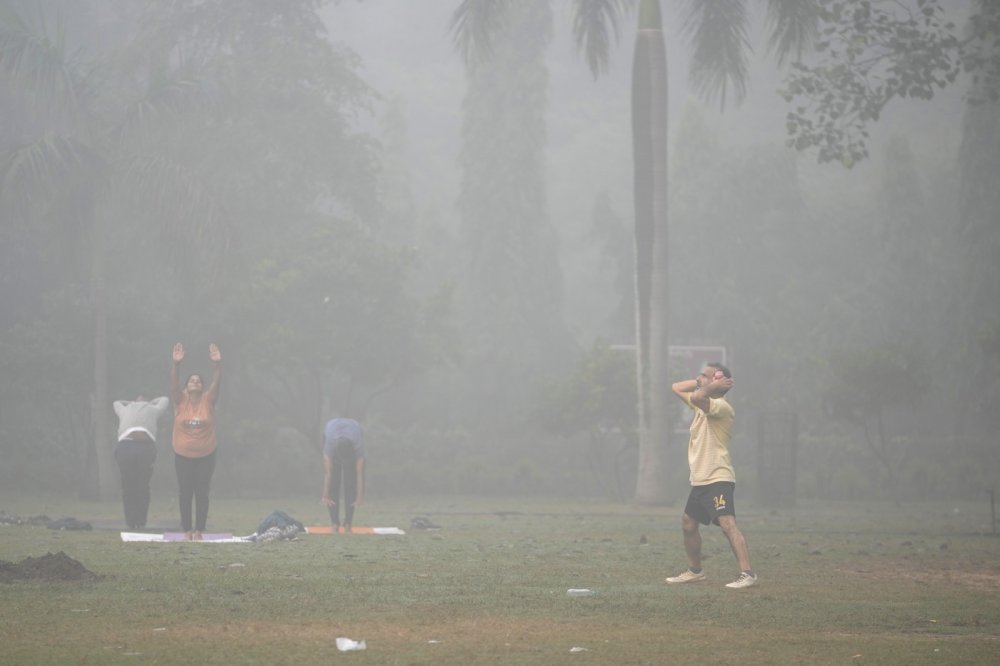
pixel 343 465
pixel 135 453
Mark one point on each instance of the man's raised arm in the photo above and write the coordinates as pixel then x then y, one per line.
pixel 681 389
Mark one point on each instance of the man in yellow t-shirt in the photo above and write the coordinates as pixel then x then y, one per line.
pixel 713 481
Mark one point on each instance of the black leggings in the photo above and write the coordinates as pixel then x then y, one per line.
pixel 135 462
pixel 194 479
pixel 344 465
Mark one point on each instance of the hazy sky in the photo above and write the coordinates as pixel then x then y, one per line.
pixel 408 56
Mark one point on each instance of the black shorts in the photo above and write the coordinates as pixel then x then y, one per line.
pixel 706 503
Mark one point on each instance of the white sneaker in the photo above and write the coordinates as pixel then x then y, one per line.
pixel 687 577
pixel 745 580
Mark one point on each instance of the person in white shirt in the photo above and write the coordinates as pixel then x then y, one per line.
pixel 135 453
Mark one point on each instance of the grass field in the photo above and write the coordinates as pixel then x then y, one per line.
pixel 842 584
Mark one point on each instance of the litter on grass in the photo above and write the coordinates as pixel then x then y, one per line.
pixel 345 644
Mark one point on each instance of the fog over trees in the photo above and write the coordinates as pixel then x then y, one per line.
pixel 370 224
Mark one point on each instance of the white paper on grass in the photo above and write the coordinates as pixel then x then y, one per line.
pixel 387 530
pixel 345 644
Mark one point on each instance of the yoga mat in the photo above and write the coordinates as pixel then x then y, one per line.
pixel 328 529
pixel 208 537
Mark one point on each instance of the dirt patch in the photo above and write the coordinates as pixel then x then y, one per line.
pixel 964 575
pixel 457 633
pixel 8 519
pixel 48 567
pixel 61 524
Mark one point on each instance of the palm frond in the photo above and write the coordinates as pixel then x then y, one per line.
pixel 41 170
pixel 35 62
pixel 595 26
pixel 792 26
pixel 164 100
pixel 717 30
pixel 189 208
pixel 475 24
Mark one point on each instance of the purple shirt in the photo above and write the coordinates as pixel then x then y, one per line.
pixel 347 428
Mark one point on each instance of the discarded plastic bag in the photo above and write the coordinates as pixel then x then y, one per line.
pixel 347 645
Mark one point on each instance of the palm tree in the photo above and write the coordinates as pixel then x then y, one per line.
pixel 511 296
pixel 718 32
pixel 54 161
pixel 62 166
pixel 649 156
pixel 176 135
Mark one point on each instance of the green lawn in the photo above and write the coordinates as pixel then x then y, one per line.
pixel 844 584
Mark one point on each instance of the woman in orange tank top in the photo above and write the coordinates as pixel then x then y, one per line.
pixel 194 439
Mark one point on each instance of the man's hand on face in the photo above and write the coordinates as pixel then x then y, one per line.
pixel 712 384
pixel 719 386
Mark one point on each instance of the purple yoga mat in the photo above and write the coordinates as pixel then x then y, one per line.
pixel 206 536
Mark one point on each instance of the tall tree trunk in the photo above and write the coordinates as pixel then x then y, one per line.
pixel 649 148
pixel 106 486
pixel 511 296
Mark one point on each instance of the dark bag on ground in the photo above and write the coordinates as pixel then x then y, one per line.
pixel 278 519
pixel 69 524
